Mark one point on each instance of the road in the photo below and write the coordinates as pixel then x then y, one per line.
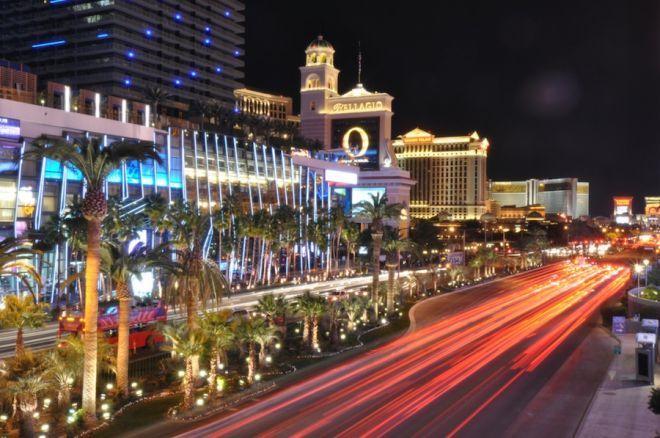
pixel 467 357
pixel 44 337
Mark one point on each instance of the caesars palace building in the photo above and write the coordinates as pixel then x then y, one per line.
pixel 354 127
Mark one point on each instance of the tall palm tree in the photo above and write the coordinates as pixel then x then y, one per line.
pixel 393 246
pixel 194 279
pixel 26 391
pixel 267 306
pixel 21 313
pixel 351 236
pixel 219 331
pixel 15 261
pixel 95 162
pixel 189 344
pixel 156 96
pixel 376 211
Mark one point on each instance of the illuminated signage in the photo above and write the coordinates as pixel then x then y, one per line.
pixel 357 107
pixel 359 194
pixel 351 149
pixel 358 141
pixel 340 176
pixel 10 128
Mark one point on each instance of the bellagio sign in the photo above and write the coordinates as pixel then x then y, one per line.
pixel 356 107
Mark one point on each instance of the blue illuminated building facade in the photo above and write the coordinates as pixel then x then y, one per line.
pixel 202 168
pixel 190 48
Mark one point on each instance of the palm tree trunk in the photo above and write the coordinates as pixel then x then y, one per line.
pixel 20 344
pixel 306 330
pixel 123 328
pixel 390 287
pixel 315 332
pixel 213 373
pixel 262 355
pixel 91 317
pixel 188 387
pixel 377 238
pixel 64 395
pixel 251 363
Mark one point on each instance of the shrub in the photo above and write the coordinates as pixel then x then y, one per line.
pixel 654 400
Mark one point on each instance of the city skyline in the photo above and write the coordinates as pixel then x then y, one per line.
pixel 543 87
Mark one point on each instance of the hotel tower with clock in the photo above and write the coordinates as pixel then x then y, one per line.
pixel 354 127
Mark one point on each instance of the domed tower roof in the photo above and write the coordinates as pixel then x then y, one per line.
pixel 320 51
pixel 318 43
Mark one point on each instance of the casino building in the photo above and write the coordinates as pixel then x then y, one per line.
pixel 354 127
pixel 201 167
pixel 450 174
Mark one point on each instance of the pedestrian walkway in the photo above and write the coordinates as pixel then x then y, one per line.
pixel 620 406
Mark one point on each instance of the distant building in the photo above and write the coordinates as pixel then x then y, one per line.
pixel 529 213
pixel 566 196
pixel 267 105
pixel 450 173
pixel 623 212
pixel 652 206
pixel 191 49
pixel 17 83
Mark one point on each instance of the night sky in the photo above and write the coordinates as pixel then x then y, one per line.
pixel 560 88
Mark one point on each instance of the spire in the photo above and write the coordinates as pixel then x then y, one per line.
pixel 359 62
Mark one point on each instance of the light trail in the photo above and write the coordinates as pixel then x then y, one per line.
pixel 415 382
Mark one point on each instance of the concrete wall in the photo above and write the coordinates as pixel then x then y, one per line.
pixel 646 308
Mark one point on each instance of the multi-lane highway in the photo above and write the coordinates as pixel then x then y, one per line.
pixel 463 353
pixel 45 337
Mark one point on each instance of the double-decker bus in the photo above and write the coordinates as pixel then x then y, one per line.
pixel 142 325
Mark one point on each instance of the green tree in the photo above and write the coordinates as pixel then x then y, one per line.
pixel 26 390
pixel 351 236
pixel 393 245
pixel 95 162
pixel 376 211
pixel 188 343
pixel 21 313
pixel 354 306
pixel 219 331
pixel 249 332
pixel 62 372
pixel 15 261
pixel 156 96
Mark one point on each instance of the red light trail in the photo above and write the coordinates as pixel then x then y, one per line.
pixel 426 382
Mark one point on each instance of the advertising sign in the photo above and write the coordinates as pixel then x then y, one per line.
pixel 456 258
pixel 619 325
pixel 10 128
pixel 358 139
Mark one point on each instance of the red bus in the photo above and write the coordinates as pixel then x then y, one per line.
pixel 142 325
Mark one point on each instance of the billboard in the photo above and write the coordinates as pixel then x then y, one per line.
pixel 359 194
pixel 10 128
pixel 358 140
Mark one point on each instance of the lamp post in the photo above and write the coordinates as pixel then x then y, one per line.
pixel 646 271
pixel 638 270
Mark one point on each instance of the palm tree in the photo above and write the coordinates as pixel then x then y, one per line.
pixel 156 96
pixel 21 313
pixel 249 334
pixel 354 307
pixel 219 332
pixel 62 371
pixel 393 247
pixel 376 211
pixel 351 236
pixel 194 279
pixel 26 391
pixel 267 306
pixel 95 162
pixel 306 305
pixel 15 262
pixel 265 335
pixel 189 344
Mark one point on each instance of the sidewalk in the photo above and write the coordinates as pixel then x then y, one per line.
pixel 620 406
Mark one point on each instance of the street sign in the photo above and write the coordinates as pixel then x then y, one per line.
pixel 619 325
pixel 650 325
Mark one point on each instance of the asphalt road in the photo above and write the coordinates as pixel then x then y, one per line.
pixel 44 337
pixel 467 366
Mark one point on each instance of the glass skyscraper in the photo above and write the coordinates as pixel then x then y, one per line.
pixel 190 48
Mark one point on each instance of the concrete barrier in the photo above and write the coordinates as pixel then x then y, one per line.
pixel 645 308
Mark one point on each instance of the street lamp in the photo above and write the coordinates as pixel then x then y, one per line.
pixel 646 271
pixel 638 270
